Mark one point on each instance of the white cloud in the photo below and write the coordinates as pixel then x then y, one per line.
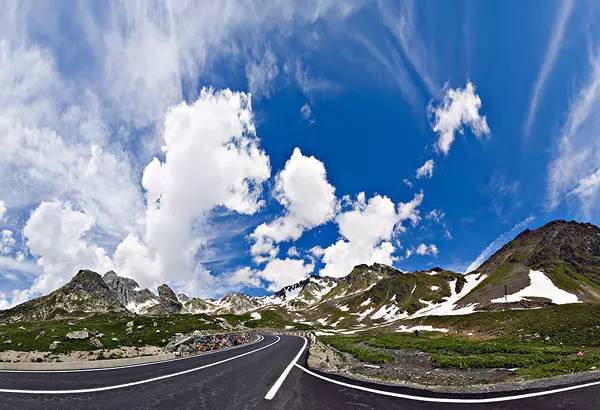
pixel 283 272
pixel 19 264
pixel 498 242
pixel 293 252
pixel 367 230
pixel 242 277
pixel 261 74
pixel 426 170
pixel 436 215
pixel 133 259
pixel 577 156
pixel 55 144
pixel 410 210
pixel 307 113
pixel 402 20
pixel 308 198
pixel 459 108
pixel 211 159
pixel 3 210
pixel 7 242
pixel 317 251
pixel 554 46
pixel 17 296
pixel 424 249
pixel 56 234
pixel 407 182
pixel 588 187
pixel 308 84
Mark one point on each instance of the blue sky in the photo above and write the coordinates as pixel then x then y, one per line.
pixel 364 90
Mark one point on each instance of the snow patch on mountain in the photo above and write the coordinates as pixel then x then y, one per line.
pixel 141 308
pixel 541 287
pixel 425 328
pixel 448 306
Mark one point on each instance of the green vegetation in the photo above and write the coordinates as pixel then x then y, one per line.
pixel 349 344
pixel 540 356
pixel 147 330
pixel 575 325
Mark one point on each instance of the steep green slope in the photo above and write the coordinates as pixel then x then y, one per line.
pixel 568 253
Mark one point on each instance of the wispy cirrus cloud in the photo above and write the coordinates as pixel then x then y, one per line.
pixel 554 46
pixel 572 172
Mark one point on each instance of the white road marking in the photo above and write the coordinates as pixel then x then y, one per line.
pixel 273 390
pixel 449 399
pixel 136 383
pixel 127 366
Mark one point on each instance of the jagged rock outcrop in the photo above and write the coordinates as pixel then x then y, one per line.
pixel 129 293
pixel 167 302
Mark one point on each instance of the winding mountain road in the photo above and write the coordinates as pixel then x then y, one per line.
pixel 268 374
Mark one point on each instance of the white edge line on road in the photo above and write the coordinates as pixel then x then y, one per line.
pixel 136 383
pixel 273 390
pixel 127 366
pixel 448 399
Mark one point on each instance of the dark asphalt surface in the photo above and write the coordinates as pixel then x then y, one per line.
pixel 241 383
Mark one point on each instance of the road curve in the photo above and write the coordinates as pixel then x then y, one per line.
pixel 242 378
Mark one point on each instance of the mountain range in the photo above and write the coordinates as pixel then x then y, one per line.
pixel 557 263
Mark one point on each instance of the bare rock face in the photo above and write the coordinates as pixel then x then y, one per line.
pixel 129 293
pixel 167 302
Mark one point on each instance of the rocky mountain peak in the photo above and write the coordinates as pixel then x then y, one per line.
pixel 85 293
pixel 167 302
pixel 165 293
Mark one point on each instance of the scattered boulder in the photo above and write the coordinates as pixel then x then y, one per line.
pixel 8 342
pixel 96 343
pixel 42 333
pixel 54 345
pixel 129 327
pixel 78 334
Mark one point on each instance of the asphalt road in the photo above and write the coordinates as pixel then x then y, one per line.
pixel 241 378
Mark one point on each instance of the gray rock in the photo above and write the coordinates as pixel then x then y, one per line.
pixel 78 334
pixel 53 345
pixel 96 343
pixel 8 342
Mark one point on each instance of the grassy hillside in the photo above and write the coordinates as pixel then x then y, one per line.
pixel 539 342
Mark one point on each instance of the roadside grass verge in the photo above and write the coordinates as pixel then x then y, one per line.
pixel 364 354
pixel 146 330
pixel 531 359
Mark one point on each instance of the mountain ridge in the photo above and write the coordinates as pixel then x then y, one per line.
pixel 556 263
